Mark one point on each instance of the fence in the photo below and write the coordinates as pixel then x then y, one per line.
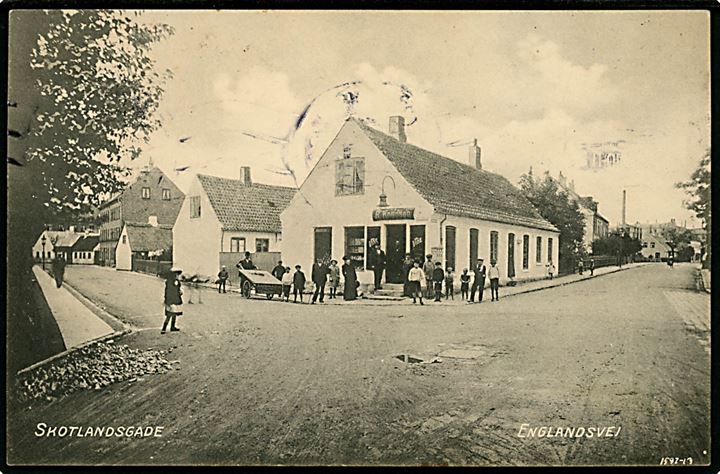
pixel 152 267
pixel 262 260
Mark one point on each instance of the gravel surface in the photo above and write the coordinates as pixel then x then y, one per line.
pixel 265 382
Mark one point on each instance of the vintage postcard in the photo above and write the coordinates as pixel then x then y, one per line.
pixel 462 238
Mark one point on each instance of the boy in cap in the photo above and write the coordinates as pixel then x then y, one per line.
pixel 172 300
pixel 438 275
pixel 298 283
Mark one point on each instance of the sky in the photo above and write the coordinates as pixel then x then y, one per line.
pixel 534 88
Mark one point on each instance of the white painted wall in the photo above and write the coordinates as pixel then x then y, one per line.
pixel 275 240
pixel 462 247
pixel 317 206
pixel 123 252
pixel 37 249
pixel 196 241
pixel 89 258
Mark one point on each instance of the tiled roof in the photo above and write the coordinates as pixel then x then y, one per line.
pixel 455 188
pixel 86 243
pixel 67 239
pixel 254 207
pixel 147 238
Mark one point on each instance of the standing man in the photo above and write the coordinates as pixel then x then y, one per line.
pixel 480 271
pixel 592 266
pixel 319 277
pixel 428 270
pixel 58 268
pixel 379 265
pixel 494 274
pixel 222 279
pixel 407 266
pixel 245 264
pixel 278 271
pixel 581 266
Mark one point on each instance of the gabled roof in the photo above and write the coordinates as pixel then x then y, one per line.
pixel 67 239
pixel 148 238
pixel 455 188
pixel 86 243
pixel 248 207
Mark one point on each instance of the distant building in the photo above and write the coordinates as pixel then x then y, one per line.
pixel 223 218
pixel 602 155
pixel 654 247
pixel 152 194
pixel 596 226
pixel 633 230
pixel 142 242
pixel 73 245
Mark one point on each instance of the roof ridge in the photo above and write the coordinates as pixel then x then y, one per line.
pixel 239 181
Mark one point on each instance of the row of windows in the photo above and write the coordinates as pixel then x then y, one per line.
pixel 113 214
pixel 83 255
pixel 110 234
pixel 450 233
pixel 47 254
pixel 645 244
pixel 238 244
pixel 146 193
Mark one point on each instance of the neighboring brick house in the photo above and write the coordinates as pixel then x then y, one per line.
pixel 222 218
pixel 369 187
pixel 151 194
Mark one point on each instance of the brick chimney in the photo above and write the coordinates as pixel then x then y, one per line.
pixel 152 220
pixel 397 128
pixel 245 175
pixel 474 156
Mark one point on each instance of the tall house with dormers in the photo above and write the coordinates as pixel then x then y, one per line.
pixel 151 197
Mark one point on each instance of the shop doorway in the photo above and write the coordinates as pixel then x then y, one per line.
pixel 395 253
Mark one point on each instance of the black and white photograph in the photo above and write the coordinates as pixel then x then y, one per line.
pixel 358 237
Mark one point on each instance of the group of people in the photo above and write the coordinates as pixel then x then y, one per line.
pixel 435 277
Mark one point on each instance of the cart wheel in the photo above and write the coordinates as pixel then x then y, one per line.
pixel 269 296
pixel 246 289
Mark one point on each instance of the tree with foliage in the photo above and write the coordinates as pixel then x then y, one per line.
pixel 619 245
pixel 554 204
pixel 678 239
pixel 82 93
pixel 698 190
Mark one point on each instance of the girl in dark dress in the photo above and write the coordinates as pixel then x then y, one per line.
pixel 348 271
pixel 172 300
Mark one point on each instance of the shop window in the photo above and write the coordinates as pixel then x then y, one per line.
pixel 262 245
pixel 450 233
pixel 194 207
pixel 493 246
pixel 350 177
pixel 526 252
pixel 237 244
pixel 538 249
pixel 355 246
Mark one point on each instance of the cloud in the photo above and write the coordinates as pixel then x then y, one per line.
pixel 550 80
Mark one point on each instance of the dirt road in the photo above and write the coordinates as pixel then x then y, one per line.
pixel 269 382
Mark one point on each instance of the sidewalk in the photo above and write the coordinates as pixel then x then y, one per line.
pixel 504 291
pixel 76 322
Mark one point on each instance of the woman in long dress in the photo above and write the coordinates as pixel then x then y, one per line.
pixel 348 271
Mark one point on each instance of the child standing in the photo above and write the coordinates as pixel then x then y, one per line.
pixel 334 277
pixel 551 270
pixel 415 278
pixel 298 283
pixel 438 275
pixel 173 300
pixel 287 280
pixel 465 284
pixel 449 283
